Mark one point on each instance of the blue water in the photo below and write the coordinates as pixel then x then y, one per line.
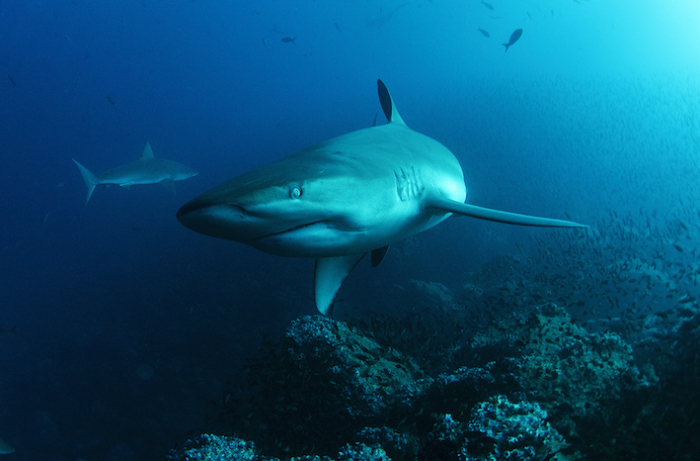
pixel 128 325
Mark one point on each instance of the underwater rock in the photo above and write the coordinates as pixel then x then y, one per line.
pixel 500 429
pixel 214 448
pixel 360 452
pixel 524 388
pixel 323 382
pixel 445 439
pixel 365 372
pixel 580 378
pixel 455 393
pixel 397 444
pixel 436 294
pixel 666 424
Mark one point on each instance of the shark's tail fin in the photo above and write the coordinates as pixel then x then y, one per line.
pixel 90 180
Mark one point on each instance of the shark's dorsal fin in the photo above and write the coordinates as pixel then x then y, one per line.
pixel 329 275
pixel 463 209
pixel 378 255
pixel 388 104
pixel 147 151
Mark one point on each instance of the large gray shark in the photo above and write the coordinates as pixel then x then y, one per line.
pixel 146 170
pixel 342 198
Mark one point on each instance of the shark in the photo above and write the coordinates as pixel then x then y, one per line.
pixel 343 198
pixel 145 170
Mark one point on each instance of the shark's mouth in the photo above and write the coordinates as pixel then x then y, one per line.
pixel 285 232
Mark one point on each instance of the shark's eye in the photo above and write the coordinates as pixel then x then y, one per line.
pixel 295 191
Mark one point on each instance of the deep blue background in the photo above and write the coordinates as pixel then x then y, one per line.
pixel 594 109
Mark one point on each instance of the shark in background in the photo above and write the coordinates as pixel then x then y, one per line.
pixel 146 170
pixel 343 198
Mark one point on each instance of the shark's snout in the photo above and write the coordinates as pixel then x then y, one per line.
pixel 210 219
pixel 216 220
pixel 188 212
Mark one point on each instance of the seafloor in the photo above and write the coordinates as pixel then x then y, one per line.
pixel 588 348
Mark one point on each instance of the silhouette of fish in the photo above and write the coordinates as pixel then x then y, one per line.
pixel 288 39
pixel 379 21
pixel 111 100
pixel 484 33
pixel 12 79
pixel 487 5
pixel 513 38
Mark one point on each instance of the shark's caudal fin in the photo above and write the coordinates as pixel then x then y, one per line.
pixel 147 151
pixel 488 214
pixel 329 275
pixel 90 179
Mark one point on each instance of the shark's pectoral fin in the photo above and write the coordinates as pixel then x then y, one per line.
pixel 169 184
pixel 488 214
pixel 378 255
pixel 329 275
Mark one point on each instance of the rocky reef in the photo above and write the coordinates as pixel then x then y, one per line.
pixel 534 386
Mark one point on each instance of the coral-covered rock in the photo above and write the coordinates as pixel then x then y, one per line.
pixel 502 430
pixel 321 383
pixel 578 377
pixel 360 452
pixel 209 447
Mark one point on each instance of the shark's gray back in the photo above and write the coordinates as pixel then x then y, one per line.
pixel 146 171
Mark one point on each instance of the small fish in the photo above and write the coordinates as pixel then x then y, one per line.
pixel 12 79
pixel 678 247
pixel 12 330
pixel 46 218
pixel 337 27
pixel 111 100
pixel 487 5
pixel 288 39
pixel 513 38
pixel 483 32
